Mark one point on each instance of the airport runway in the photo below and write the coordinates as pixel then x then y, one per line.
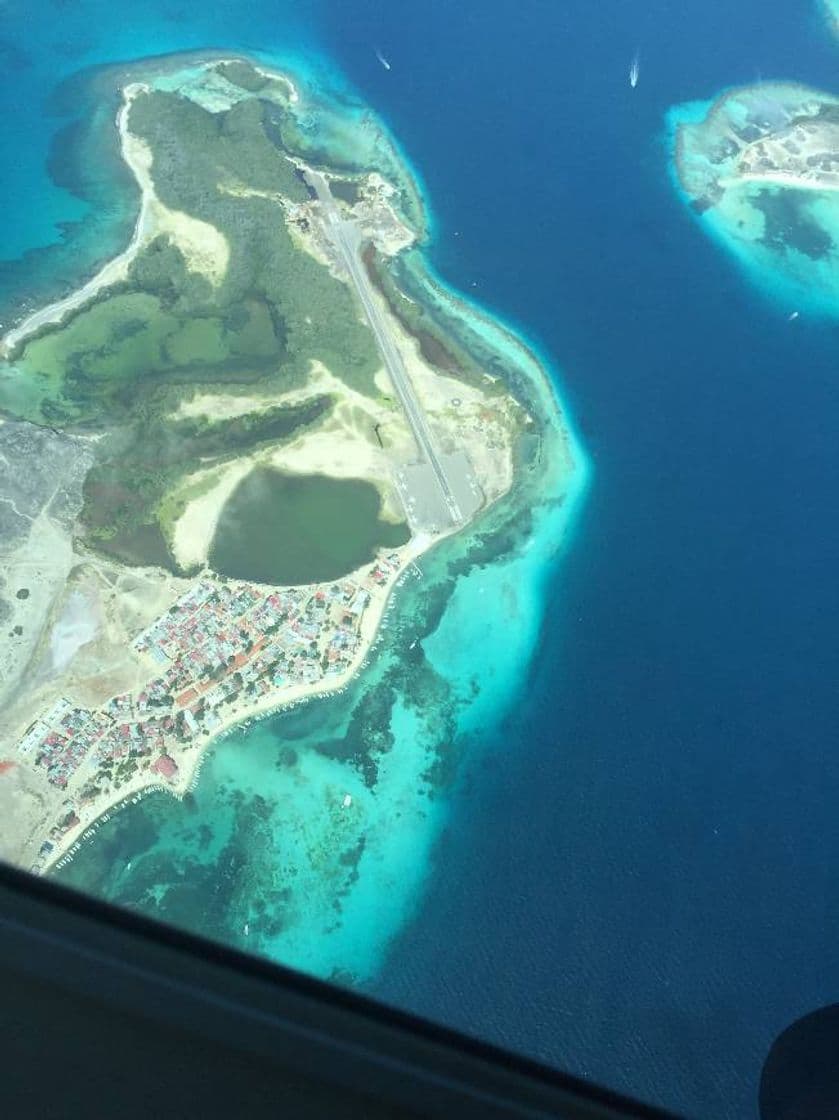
pixel 348 242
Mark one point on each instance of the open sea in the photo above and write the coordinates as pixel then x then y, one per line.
pixel 637 878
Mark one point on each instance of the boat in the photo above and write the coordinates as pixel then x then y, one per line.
pixel 383 60
pixel 635 70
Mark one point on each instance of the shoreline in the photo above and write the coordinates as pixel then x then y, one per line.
pixel 779 179
pixel 111 273
pixel 127 74
pixel 520 360
pixel 526 357
pixel 293 696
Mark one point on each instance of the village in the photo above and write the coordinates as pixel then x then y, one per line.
pixel 223 646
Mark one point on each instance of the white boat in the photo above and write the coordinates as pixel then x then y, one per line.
pixel 635 70
pixel 247 928
pixel 383 60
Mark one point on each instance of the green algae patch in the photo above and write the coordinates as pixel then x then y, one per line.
pixel 297 529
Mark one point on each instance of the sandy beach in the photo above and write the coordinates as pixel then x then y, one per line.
pixel 362 437
pixel 204 248
pixel 190 759
pixel 342 447
pixel 115 270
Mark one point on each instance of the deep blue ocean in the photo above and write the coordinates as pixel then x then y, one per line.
pixel 639 884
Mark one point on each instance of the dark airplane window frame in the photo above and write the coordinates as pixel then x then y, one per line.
pixel 327 1050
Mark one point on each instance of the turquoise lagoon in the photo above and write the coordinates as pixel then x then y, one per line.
pixel 309 835
pixel 794 261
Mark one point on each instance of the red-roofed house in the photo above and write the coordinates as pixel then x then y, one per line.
pixel 166 766
pixel 186 697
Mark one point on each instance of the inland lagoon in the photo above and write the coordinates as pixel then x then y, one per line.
pixel 287 529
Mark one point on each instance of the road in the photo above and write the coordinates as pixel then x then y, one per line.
pixel 347 240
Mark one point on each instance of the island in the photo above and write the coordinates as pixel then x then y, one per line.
pixel 759 166
pixel 222 453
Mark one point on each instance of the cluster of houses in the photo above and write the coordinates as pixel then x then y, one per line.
pixel 219 641
pixel 61 739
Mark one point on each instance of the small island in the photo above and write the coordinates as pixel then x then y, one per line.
pixel 760 166
pixel 221 453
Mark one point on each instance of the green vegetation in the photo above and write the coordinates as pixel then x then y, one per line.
pixel 275 311
pixel 121 364
pixel 217 159
pixel 242 74
pixel 439 347
pixel 245 76
pixel 174 503
pixel 132 496
pixel 290 529
pixel 123 351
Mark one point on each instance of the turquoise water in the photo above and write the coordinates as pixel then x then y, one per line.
pixel 271 529
pixel 635 878
pixel 60 86
pixel 314 831
pixel 320 885
pixel 778 268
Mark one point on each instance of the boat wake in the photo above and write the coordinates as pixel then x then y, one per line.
pixel 635 69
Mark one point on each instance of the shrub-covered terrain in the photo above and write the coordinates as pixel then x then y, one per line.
pixel 121 364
